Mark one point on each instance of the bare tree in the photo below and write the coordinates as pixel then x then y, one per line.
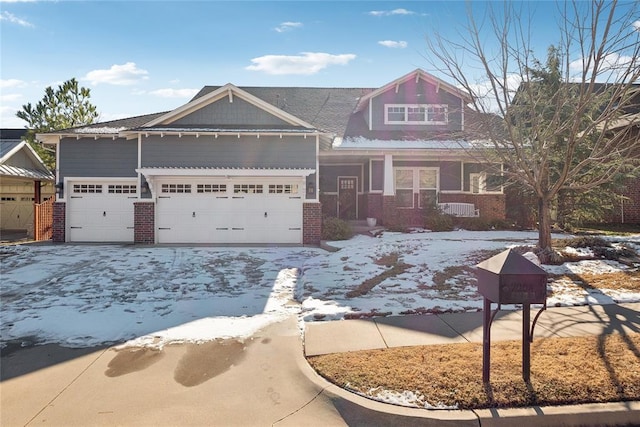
pixel 554 124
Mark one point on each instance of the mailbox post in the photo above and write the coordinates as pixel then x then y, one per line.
pixel 510 278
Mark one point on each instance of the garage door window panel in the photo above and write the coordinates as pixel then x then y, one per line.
pixel 211 188
pixel 122 189
pixel 87 188
pixel 247 188
pixel 176 188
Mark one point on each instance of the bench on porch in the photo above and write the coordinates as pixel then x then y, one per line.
pixel 460 209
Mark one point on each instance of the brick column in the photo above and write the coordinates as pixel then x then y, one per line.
pixel 311 223
pixel 144 222
pixel 59 222
pixel 389 211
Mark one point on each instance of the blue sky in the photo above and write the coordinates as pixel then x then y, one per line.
pixel 141 57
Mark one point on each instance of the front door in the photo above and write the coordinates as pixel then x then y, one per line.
pixel 347 197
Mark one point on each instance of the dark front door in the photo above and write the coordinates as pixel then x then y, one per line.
pixel 347 197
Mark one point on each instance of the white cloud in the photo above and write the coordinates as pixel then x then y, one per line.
pixel 306 63
pixel 10 97
pixel 174 93
pixel 612 67
pixel 12 83
pixel 288 26
pixel 393 44
pixel 8 118
pixel 121 75
pixel 391 12
pixel 10 17
pixel 636 25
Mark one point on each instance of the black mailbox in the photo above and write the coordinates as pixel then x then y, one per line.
pixel 510 278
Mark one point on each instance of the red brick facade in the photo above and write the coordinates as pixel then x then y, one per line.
pixel 311 223
pixel 491 206
pixel 144 222
pixel 627 210
pixel 59 221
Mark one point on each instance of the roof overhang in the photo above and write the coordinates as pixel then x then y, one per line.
pixel 152 172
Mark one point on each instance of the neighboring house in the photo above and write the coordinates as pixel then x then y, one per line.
pixel 246 165
pixel 24 180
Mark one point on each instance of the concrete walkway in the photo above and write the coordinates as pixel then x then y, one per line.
pixel 451 328
pixel 266 381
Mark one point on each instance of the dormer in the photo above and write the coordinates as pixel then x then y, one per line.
pixel 416 102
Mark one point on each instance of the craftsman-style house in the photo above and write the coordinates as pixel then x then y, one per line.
pixel 245 165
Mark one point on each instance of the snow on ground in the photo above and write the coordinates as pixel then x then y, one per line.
pixel 85 295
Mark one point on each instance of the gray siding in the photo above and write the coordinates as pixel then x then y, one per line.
pixel 107 158
pixel 416 93
pixel 229 152
pixel 377 175
pixel 329 176
pixel 223 112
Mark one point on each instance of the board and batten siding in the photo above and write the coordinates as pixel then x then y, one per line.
pixel 238 112
pixel 228 151
pixel 103 157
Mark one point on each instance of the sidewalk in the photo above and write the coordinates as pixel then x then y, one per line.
pixel 450 328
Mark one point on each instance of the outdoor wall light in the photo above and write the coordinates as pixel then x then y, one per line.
pixel 144 188
pixel 60 187
pixel 310 187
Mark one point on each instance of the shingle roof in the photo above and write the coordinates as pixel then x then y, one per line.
pixel 328 109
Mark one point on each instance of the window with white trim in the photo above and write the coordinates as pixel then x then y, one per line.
pixel 283 188
pixel 122 189
pixel 421 181
pixel 176 188
pixel 247 188
pixel 212 188
pixel 416 114
pixel 87 188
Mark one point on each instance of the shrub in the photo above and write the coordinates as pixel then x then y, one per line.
pixel 335 229
pixel 473 224
pixel 436 219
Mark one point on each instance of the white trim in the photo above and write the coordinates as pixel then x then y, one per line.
pixel 416 182
pixel 388 187
pixel 406 120
pixel 418 74
pixel 242 172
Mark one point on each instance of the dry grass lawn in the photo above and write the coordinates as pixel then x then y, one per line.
pixel 563 371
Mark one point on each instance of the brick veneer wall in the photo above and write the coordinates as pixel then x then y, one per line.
pixel 329 205
pixel 311 223
pixel 492 206
pixel 628 210
pixel 373 206
pixel 59 221
pixel 144 222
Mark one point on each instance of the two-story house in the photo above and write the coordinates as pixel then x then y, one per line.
pixel 246 165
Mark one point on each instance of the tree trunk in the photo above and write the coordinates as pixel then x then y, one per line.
pixel 544 223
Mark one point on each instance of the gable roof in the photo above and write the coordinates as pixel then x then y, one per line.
pixel 326 109
pixel 10 147
pixel 229 91
pixel 417 74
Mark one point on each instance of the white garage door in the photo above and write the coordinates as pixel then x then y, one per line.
pixel 101 212
pixel 262 210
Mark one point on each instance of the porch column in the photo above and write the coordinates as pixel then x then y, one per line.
pixel 388 175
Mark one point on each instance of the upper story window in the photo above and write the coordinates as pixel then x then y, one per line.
pixel 416 114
